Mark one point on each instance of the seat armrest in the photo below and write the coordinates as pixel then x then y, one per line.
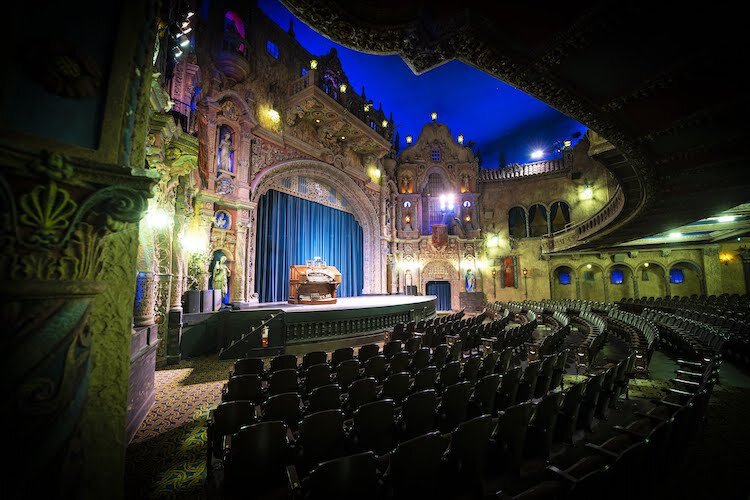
pixel 656 418
pixel 688 373
pixel 689 363
pixel 667 403
pixel 295 487
pixel 559 472
pixel 681 393
pixel 599 449
pixel 630 432
pixel 683 381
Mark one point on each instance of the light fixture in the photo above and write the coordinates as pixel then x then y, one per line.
pixel 675 235
pixel 384 123
pixel 375 174
pixel 726 218
pixel 407 218
pixel 467 204
pixel 407 204
pixel 587 193
pixel 460 139
pixel 367 107
pixel 190 14
pixel 493 240
pixel 157 217
pixel 274 116
pixel 588 266
pixel 467 218
pixel 193 240
pixel 409 139
pixel 185 31
pixel 537 154
pixel 314 64
pixel 342 88
pixel 177 52
pixel 645 265
pixel 726 258
pixel 183 40
pixel 343 137
pixel 317 120
pixel 525 272
pixel 566 144
pixel 433 115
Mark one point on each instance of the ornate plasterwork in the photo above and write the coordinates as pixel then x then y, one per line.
pixel 313 190
pixel 363 209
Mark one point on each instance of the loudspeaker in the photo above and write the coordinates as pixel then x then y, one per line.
pixel 192 301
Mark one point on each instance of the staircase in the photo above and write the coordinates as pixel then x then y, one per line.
pixel 250 343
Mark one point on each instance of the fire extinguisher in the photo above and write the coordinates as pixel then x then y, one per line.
pixel 264 336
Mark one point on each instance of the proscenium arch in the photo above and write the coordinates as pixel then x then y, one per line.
pixel 362 210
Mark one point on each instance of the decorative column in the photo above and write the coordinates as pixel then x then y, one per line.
pixel 239 276
pixel 145 299
pixel 59 238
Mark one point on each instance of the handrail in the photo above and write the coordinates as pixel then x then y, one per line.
pixel 523 170
pixel 570 236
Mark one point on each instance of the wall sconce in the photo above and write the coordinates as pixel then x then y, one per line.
pixel 460 139
pixel 494 273
pixel 314 64
pixel 375 174
pixel 433 115
pixel 566 144
pixel 726 258
pixel 408 139
pixel 588 266
pixel 274 116
pixel 586 193
pixel 645 264
pixel 407 218
pixel 467 218
pixel 525 271
pixel 342 88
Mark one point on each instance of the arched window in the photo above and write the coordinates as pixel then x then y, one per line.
pixel 435 155
pixel 559 214
pixel 537 221
pixel 517 222
pixel 676 275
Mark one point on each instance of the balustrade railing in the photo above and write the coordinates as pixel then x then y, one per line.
pixel 575 233
pixel 523 170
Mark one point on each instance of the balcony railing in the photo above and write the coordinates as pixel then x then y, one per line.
pixel 576 233
pixel 349 100
pixel 523 170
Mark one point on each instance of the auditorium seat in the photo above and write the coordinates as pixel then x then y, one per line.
pixel 367 351
pixel 509 436
pixel 568 416
pixel 399 362
pixel 585 479
pixel 245 388
pixel 353 476
pixel 488 364
pixel 418 414
pixel 361 391
pixel 503 364
pixel 321 438
pixel 256 458
pixel 283 362
pixel 606 393
pixel 420 359
pixel 226 419
pixel 527 385
pixel 470 371
pixel 414 344
pixel 375 367
pixel 485 395
pixel 467 453
pixel 453 406
pixel 314 358
pixel 286 407
pixel 247 366
pixel 541 431
pixel 544 378
pixel 589 401
pixel 316 376
pixel 439 355
pixel 396 387
pixel 374 427
pixel 391 348
pixel 416 468
pixel 341 354
pixel 327 397
pixel 506 394
pixel 426 378
pixel 449 375
pixel 282 381
pixel 347 372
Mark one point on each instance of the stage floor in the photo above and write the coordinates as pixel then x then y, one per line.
pixel 346 303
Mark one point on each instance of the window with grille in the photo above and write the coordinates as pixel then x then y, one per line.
pixel 436 154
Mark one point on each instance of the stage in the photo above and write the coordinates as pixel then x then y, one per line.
pixel 269 328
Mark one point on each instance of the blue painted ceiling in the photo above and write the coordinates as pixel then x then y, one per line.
pixel 503 122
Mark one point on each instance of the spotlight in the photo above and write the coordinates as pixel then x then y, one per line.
pixel 645 265
pixel 537 154
pixel 586 193
pixel 588 266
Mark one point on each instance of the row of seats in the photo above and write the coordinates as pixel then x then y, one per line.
pixel 685 334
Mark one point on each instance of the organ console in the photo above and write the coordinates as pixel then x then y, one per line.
pixel 313 284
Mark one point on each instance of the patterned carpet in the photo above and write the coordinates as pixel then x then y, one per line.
pixel 167 456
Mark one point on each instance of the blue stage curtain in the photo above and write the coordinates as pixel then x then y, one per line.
pixel 292 231
pixel 442 289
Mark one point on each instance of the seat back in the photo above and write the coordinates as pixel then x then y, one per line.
pixel 503 364
pixel 362 391
pixel 396 386
pixel 418 413
pixel 353 476
pixel 415 465
pixel 286 407
pixel 341 354
pixel 542 430
pixel 568 416
pixel 528 382
pixel 545 376
pixel 413 344
pixel 322 436
pixel 282 381
pixel 486 393
pixel 425 378
pixel 449 375
pixel 506 395
pixel 347 372
pixel 228 418
pixel 511 433
pixel 439 355
pixel 248 366
pixel 284 362
pixel 471 369
pixel 399 362
pixel 420 359
pixel 392 347
pixel 367 351
pixel 374 426
pixel 314 358
pixel 317 376
pixel 488 363
pixel 327 397
pixel 258 456
pixel 375 367
pixel 469 445
pixel 454 405
pixel 244 388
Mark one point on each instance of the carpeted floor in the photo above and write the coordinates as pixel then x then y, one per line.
pixel 167 456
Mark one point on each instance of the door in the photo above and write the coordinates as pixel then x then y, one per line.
pixel 442 290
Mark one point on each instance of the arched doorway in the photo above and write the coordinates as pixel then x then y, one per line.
pixel 563 284
pixel 685 279
pixel 442 290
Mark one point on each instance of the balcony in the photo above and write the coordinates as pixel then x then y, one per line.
pixel 338 116
pixel 232 57
pixel 524 170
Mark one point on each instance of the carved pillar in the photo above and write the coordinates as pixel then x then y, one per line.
pixel 59 216
pixel 711 279
pixel 239 277
pixel 252 294
pixel 636 293
pixel 145 299
pixel 578 287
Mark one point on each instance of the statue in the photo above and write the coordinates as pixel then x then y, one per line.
pixel 225 152
pixel 221 276
pixel 471 281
